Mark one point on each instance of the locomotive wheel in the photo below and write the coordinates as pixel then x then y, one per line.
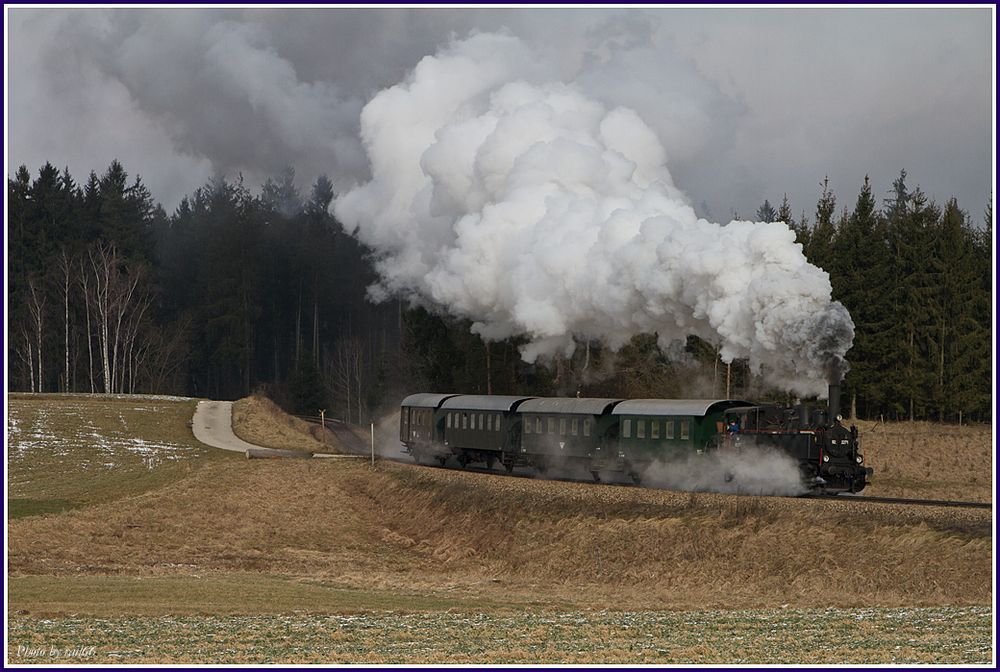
pixel 636 478
pixel 509 466
pixel 489 462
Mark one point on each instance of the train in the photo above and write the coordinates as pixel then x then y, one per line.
pixel 612 438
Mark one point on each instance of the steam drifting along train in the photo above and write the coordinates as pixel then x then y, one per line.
pixel 618 436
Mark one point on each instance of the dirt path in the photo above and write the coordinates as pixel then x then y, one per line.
pixel 213 425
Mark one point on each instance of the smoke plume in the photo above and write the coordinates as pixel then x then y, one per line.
pixel 752 470
pixel 528 206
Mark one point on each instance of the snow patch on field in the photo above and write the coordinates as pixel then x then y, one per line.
pixel 92 437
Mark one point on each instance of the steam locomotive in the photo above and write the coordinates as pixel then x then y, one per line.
pixel 626 437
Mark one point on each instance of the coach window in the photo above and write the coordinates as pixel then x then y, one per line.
pixel 552 425
pixel 654 429
pixel 640 429
pixel 480 421
pixel 685 429
pixel 586 427
pixel 449 421
pixel 627 428
pixel 562 426
pixel 574 426
pixel 538 425
pixel 465 420
pixel 527 425
pixel 496 422
pixel 668 430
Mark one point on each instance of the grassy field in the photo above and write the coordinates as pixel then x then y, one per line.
pixel 802 636
pixel 259 420
pixel 226 559
pixel 929 461
pixel 64 452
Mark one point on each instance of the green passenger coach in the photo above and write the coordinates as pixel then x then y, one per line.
pixel 652 430
pixel 568 431
pixel 483 428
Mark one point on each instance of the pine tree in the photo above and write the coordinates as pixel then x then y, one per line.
pixel 858 272
pixel 911 221
pixel 784 213
pixel 821 238
pixel 766 213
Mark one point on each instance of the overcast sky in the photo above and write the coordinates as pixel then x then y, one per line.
pixel 749 104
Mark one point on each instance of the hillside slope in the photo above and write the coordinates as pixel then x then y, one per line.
pixel 406 527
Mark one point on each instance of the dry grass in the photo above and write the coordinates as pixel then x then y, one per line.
pixel 928 460
pixel 258 420
pixel 525 558
pixel 463 534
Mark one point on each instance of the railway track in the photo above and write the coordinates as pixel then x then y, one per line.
pixel 901 500
pixel 354 444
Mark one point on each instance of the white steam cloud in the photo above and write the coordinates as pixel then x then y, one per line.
pixel 527 206
pixel 752 470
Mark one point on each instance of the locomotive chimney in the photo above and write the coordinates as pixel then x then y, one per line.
pixel 834 400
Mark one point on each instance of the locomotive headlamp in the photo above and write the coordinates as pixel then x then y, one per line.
pixel 826 457
pixel 859 458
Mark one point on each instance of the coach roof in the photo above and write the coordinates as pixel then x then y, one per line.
pixel 695 407
pixel 482 402
pixel 425 400
pixel 567 405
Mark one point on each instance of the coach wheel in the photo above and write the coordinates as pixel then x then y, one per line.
pixel 490 461
pixel 442 460
pixel 596 475
pixel 463 460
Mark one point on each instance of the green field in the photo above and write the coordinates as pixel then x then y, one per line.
pixel 67 451
pixel 807 636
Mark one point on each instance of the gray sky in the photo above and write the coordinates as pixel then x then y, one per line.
pixel 749 104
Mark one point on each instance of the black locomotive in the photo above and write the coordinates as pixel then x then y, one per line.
pixel 617 436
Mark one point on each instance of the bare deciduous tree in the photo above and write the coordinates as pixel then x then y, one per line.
pixel 345 371
pixel 119 302
pixel 36 317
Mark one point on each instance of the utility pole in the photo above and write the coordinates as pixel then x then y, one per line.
pixel 373 445
pixel 322 423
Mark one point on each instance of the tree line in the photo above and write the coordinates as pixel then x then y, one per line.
pixel 239 291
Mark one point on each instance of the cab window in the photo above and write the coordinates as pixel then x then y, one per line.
pixel 552 425
pixel 685 429
pixel 586 427
pixel 627 428
pixel 574 426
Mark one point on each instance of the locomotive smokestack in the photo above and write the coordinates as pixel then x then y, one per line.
pixel 834 399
